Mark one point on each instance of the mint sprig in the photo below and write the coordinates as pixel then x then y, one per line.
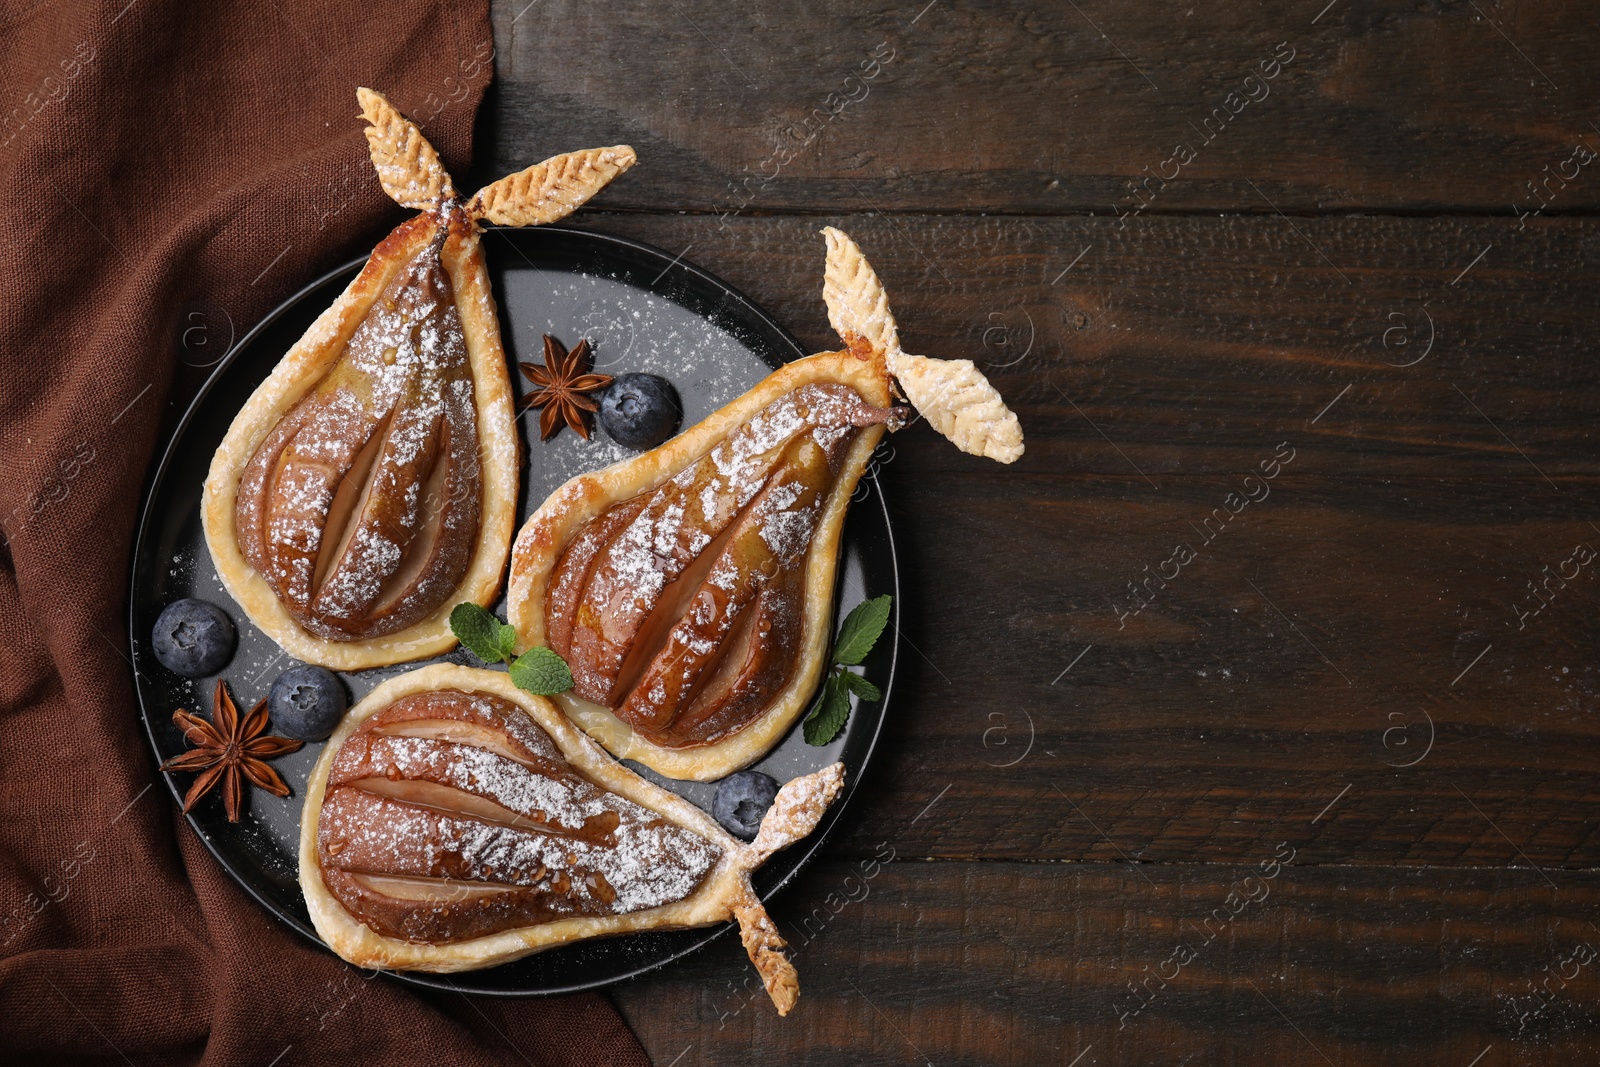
pixel 539 670
pixel 859 632
pixel 830 712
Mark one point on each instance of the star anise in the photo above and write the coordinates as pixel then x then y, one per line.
pixel 229 751
pixel 564 384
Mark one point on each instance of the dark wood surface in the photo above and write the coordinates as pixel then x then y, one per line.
pixel 1328 792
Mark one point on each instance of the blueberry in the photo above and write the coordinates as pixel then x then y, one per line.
pixel 741 800
pixel 306 702
pixel 193 638
pixel 640 410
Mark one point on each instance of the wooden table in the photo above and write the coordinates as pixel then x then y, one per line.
pixel 1251 716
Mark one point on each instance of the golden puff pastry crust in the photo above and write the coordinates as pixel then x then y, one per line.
pixel 722 894
pixel 547 532
pixel 956 398
pixel 411 172
pixel 301 368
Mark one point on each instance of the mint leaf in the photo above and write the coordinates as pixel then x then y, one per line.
pixel 478 630
pixel 506 641
pixel 828 717
pixel 541 671
pixel 861 630
pixel 861 687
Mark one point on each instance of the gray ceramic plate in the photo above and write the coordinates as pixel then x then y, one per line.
pixel 642 310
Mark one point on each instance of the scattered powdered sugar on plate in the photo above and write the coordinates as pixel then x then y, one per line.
pixel 631 331
pixel 644 859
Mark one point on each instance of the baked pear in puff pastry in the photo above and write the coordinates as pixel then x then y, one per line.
pixel 455 822
pixel 690 589
pixel 370 483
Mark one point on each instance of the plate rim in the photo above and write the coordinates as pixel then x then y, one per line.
pixel 426 980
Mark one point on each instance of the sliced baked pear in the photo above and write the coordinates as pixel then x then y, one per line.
pixel 455 822
pixel 370 483
pixel 690 589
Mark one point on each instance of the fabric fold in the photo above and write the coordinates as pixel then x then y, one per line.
pixel 169 174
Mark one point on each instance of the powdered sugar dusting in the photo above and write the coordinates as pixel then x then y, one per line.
pixel 759 494
pixel 402 386
pixel 795 811
pixel 562 834
pixel 428 843
pixel 659 544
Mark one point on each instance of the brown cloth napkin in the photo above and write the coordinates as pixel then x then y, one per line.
pixel 168 173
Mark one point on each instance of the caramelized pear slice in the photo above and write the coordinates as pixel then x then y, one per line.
pixel 440 808
pixel 669 580
pixel 454 821
pixel 629 574
pixel 577 564
pixel 361 508
pixel 755 663
pixel 370 483
pixel 694 650
pixel 769 540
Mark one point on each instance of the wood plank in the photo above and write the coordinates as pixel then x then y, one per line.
pixel 1354 666
pixel 1077 964
pixel 1307 647
pixel 1016 108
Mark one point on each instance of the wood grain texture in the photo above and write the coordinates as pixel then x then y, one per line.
pixel 1013 107
pixel 1079 964
pixel 1133 666
pixel 1316 633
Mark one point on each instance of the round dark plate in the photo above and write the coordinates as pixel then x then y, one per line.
pixel 643 310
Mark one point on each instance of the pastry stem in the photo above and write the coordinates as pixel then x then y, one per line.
pixel 795 812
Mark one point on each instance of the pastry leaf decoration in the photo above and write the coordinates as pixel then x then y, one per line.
pixel 952 394
pixel 551 190
pixel 857 636
pixel 408 166
pixel 541 671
